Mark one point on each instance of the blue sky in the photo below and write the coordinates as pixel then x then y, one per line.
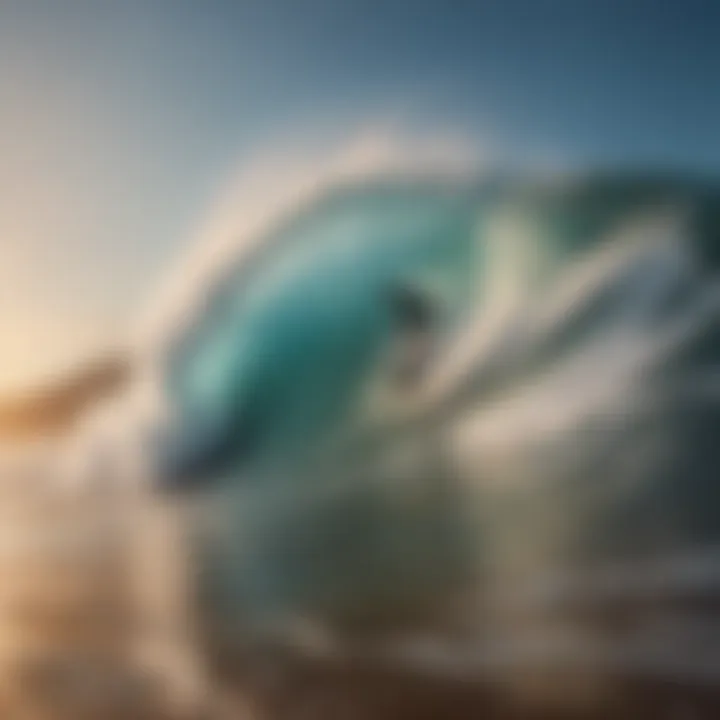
pixel 120 119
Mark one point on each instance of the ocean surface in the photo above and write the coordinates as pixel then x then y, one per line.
pixel 400 409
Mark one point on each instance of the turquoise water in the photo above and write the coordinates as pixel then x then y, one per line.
pixel 575 359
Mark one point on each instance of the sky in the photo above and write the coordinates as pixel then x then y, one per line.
pixel 120 120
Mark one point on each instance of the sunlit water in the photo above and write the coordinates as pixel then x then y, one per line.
pixel 555 465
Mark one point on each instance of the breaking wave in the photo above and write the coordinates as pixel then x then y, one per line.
pixel 573 395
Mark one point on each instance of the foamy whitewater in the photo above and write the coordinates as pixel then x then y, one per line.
pixel 559 437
